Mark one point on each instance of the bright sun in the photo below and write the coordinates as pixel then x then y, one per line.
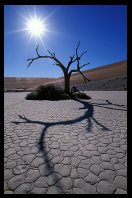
pixel 35 27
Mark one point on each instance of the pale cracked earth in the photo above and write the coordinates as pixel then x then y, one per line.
pixel 66 147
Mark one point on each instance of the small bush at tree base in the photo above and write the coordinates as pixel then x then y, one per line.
pixel 50 92
pixel 47 92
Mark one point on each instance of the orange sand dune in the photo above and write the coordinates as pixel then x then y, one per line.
pixel 113 76
pixel 104 72
pixel 108 77
pixel 24 83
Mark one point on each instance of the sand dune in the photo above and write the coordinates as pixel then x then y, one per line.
pixel 12 83
pixel 104 72
pixel 108 77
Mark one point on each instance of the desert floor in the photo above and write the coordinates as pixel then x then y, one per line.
pixel 66 147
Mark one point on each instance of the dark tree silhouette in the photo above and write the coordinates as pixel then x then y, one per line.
pixel 67 71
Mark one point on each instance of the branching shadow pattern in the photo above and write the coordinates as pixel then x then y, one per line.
pixel 88 115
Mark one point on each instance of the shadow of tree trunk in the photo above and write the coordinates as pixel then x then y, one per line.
pixel 88 115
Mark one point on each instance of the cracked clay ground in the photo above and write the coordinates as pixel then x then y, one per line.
pixel 66 147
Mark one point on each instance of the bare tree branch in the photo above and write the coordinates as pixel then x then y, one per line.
pixel 83 65
pixel 57 62
pixel 85 79
pixel 50 53
pixel 37 50
pixel 72 71
pixel 78 64
pixel 77 47
pixel 31 60
pixel 82 54
pixel 76 70
pixel 72 60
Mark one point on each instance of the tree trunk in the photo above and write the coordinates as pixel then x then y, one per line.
pixel 67 83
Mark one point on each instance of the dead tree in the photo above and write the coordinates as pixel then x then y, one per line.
pixel 66 69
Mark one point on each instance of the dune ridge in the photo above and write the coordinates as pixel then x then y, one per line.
pixel 108 77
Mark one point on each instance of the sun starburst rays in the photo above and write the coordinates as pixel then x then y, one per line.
pixel 34 26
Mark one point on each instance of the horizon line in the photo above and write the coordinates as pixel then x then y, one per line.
pixel 97 67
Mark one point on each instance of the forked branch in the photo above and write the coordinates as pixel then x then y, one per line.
pixel 78 57
pixel 75 58
pixel 52 56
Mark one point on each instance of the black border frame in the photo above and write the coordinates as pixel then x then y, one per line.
pixel 32 2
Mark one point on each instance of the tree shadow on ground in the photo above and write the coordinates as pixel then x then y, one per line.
pixel 88 115
pixel 122 107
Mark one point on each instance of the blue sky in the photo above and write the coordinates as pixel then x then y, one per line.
pixel 101 30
